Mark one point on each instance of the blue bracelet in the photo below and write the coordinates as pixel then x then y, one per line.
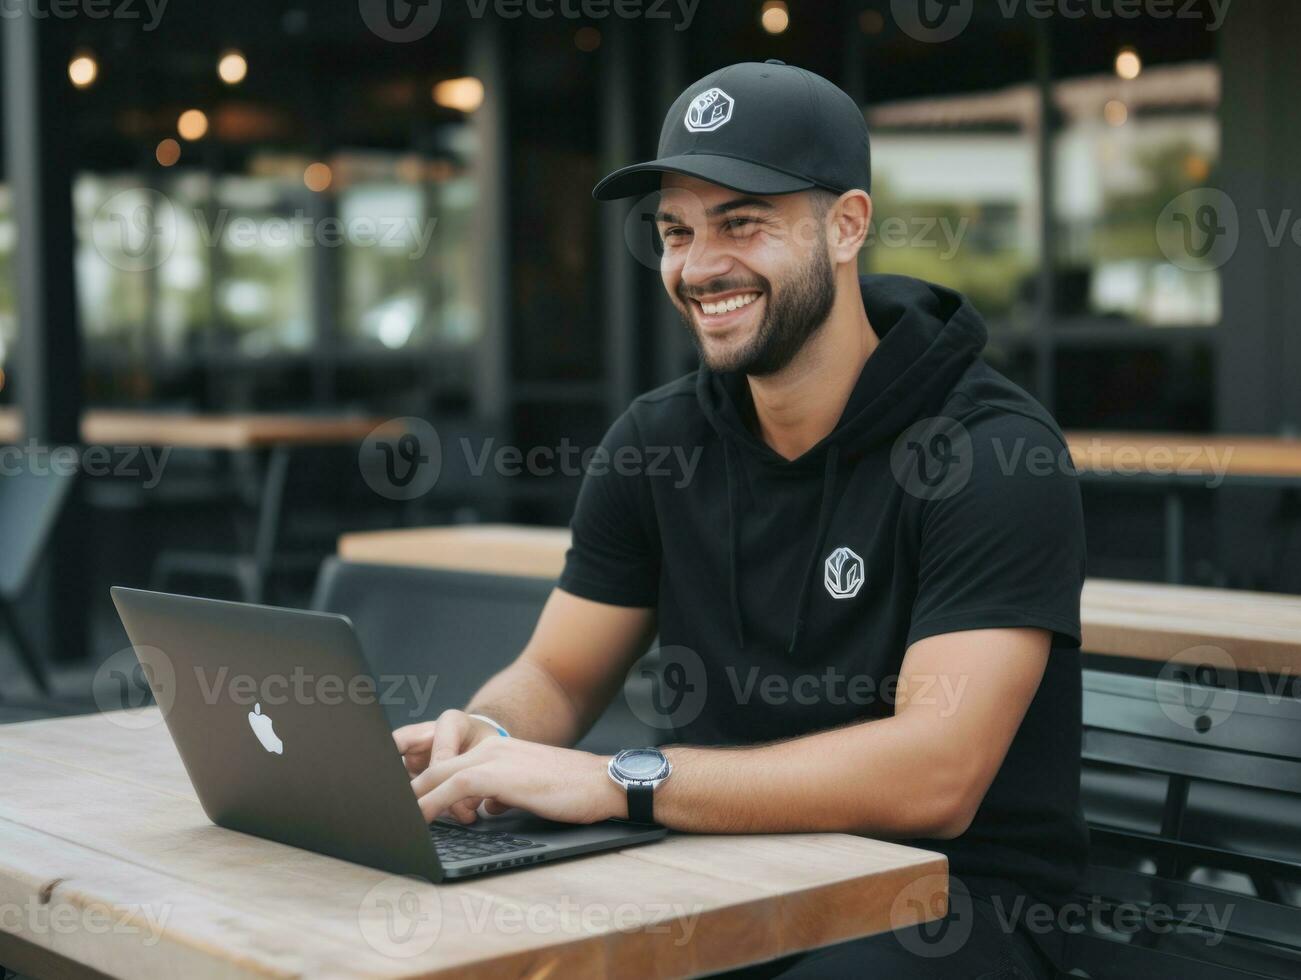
pixel 500 731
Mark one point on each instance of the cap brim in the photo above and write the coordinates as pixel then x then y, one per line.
pixel 737 175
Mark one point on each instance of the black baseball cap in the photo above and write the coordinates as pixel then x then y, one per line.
pixel 757 128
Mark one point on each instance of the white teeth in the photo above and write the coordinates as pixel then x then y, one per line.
pixel 729 304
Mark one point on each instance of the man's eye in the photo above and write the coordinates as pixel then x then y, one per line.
pixel 676 236
pixel 738 224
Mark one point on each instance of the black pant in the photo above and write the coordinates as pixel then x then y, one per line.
pixel 970 943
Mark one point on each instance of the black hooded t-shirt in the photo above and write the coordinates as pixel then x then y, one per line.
pixel 789 591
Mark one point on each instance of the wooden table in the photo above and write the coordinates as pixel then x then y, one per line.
pixel 1149 621
pixel 108 864
pixel 263 443
pixel 1175 463
pixel 190 430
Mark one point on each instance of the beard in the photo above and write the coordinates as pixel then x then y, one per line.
pixel 792 314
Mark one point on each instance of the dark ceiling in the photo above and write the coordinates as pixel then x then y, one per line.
pixel 320 79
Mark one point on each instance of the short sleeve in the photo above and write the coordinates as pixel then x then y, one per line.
pixel 1006 548
pixel 615 554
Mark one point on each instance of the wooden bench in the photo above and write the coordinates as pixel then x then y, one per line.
pixel 1191 790
pixel 1254 632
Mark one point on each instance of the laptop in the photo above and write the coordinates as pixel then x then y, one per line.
pixel 281 730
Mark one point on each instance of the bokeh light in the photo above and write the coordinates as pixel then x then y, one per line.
pixel 463 94
pixel 232 68
pixel 193 124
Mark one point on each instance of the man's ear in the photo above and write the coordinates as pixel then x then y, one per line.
pixel 851 219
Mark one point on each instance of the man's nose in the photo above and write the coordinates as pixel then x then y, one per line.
pixel 705 261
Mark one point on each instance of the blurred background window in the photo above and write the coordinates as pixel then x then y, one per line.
pixel 956 191
pixel 1125 150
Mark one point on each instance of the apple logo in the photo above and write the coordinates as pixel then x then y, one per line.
pixel 264 728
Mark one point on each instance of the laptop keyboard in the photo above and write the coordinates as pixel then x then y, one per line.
pixel 461 844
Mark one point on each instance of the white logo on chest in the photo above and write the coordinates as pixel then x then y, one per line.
pixel 843 575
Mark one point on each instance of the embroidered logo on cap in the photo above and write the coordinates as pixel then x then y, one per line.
pixel 844 574
pixel 708 111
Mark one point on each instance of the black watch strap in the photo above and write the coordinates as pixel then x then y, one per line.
pixel 641 802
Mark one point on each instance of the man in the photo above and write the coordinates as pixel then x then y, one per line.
pixel 875 566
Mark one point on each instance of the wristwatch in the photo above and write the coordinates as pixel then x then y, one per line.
pixel 639 771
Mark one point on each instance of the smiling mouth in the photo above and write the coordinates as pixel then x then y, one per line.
pixel 717 309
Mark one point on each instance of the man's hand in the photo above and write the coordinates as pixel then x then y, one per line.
pixel 452 733
pixel 550 782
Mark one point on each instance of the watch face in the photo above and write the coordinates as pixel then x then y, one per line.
pixel 641 763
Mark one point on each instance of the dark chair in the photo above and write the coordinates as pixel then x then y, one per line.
pixel 1212 777
pixel 30 503
pixel 288 515
pixel 452 630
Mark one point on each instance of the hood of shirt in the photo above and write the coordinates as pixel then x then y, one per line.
pixel 929 336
